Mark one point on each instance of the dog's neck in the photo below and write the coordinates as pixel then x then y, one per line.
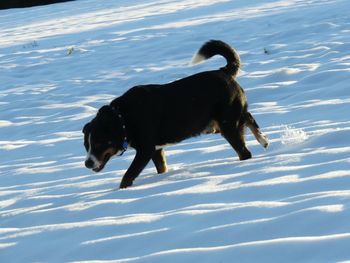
pixel 116 109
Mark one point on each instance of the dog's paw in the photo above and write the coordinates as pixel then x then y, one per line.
pixel 125 183
pixel 245 155
pixel 263 140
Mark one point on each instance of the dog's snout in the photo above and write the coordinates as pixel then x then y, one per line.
pixel 89 163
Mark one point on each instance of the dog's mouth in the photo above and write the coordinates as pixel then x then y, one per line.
pixel 103 163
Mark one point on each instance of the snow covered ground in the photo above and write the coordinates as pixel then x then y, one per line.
pixel 290 203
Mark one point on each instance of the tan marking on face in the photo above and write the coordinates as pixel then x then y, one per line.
pixel 109 151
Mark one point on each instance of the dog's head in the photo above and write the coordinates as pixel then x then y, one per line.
pixel 103 137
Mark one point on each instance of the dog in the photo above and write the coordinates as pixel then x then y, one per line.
pixel 148 117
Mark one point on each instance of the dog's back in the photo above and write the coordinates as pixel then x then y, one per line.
pixel 185 107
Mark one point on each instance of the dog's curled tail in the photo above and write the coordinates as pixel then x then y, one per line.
pixel 218 47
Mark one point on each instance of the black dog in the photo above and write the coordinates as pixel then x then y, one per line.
pixel 148 117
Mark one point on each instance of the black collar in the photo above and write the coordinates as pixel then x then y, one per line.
pixel 125 143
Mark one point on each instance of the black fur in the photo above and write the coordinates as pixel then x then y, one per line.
pixel 5 4
pixel 155 115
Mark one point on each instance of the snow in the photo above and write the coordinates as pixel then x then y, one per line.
pixel 290 203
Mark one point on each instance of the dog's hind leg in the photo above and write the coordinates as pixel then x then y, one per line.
pixel 254 127
pixel 159 161
pixel 235 136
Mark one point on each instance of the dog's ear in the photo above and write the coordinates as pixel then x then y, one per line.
pixel 105 110
pixel 105 114
pixel 86 128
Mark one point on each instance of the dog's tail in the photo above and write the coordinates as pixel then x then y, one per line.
pixel 217 47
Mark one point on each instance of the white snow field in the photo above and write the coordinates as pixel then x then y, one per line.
pixel 291 203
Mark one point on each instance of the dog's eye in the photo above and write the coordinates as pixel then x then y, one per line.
pixel 110 143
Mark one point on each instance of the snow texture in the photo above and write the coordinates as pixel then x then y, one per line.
pixel 290 203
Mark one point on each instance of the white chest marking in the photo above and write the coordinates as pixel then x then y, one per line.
pixel 158 147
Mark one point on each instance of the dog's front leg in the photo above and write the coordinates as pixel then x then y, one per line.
pixel 159 161
pixel 140 161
